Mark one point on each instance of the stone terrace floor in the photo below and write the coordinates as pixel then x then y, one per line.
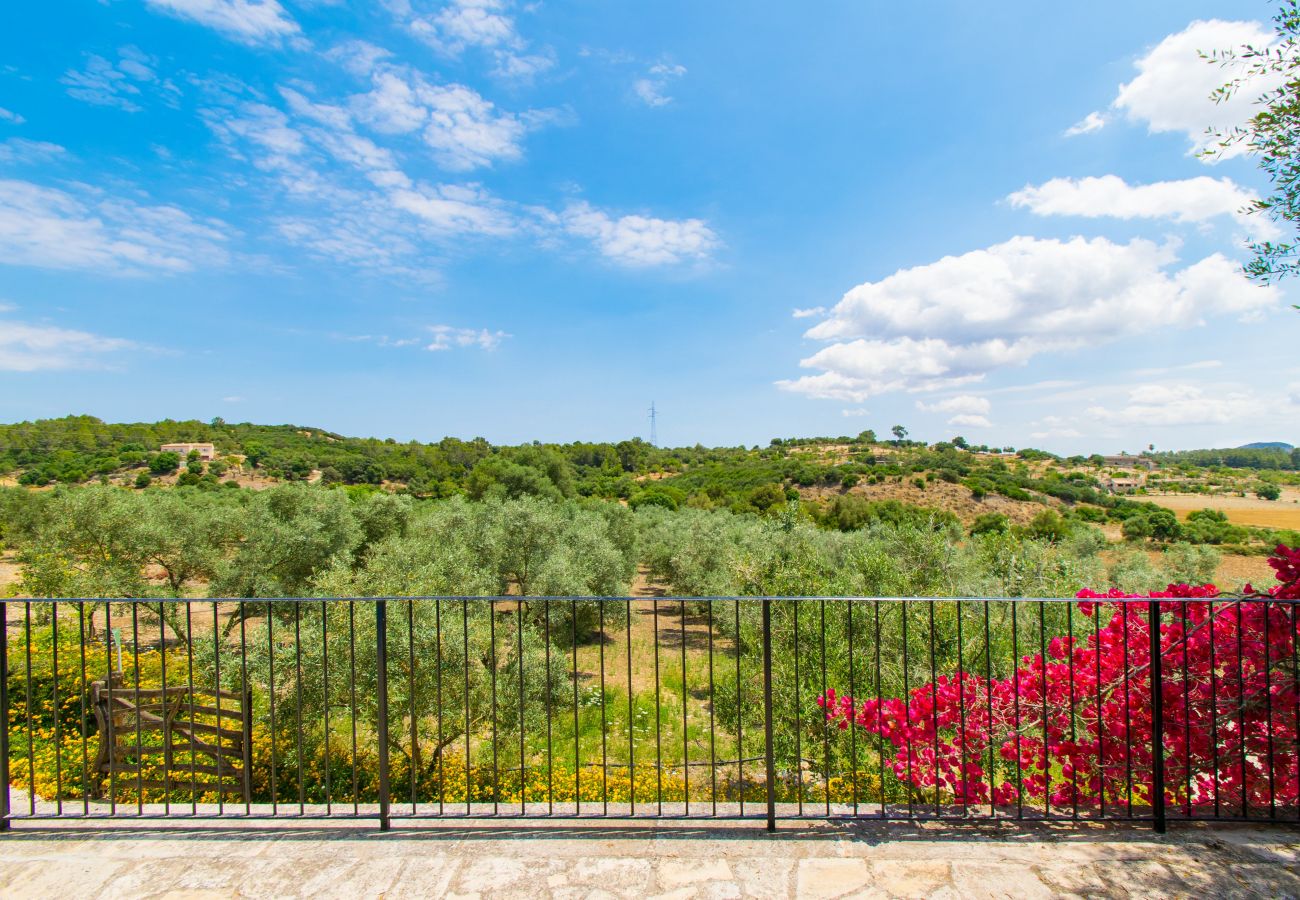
pixel 644 860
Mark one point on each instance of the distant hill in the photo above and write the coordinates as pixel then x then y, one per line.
pixel 1267 445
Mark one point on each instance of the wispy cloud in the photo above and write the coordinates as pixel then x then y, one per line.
pixel 7 115
pixel 55 229
pixel 120 84
pixel 247 21
pixel 447 337
pixel 1093 121
pixel 652 88
pixel 27 347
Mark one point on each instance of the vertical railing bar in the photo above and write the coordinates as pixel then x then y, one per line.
pixel 297 705
pixel 907 710
pixel 988 699
pixel 85 725
pixel 798 721
pixel 325 701
pixel 769 751
pixel 1295 684
pixel 437 637
pixel 934 706
pixel 519 638
pixel 58 716
pixel 352 703
pixel 492 655
pixel 1157 717
pixel 853 694
pixel 961 714
pixel 1241 706
pixel 1047 744
pixel 1128 713
pixel 381 688
pixel 1015 693
pixel 111 737
pixel 1268 716
pixel 686 756
pixel 216 648
pixel 247 691
pixel 550 747
pixel 826 732
pixel 713 738
pixel 139 740
pixel 189 690
pixel 877 640
pixel 659 714
pixel 4 714
pixel 740 734
pixel 604 724
pixel 464 626
pixel 410 682
pixel 631 713
pixel 1074 768
pixel 577 747
pixel 1101 729
pixel 1187 716
pixel 1214 712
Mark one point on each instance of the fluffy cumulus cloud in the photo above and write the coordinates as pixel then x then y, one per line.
pixel 641 240
pixel 463 129
pixel 487 25
pixel 25 347
pixel 246 21
pixel 1188 200
pixel 963 409
pixel 953 321
pixel 1171 92
pixel 54 229
pixel 652 88
pixel 1181 404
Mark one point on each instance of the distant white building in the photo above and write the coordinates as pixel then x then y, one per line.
pixel 206 452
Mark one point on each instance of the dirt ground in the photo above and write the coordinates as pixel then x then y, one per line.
pixel 1281 513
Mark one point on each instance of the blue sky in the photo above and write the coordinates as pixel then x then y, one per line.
pixel 528 220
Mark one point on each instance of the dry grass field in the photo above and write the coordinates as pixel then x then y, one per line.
pixel 1281 513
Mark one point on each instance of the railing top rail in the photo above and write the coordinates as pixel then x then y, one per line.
pixel 674 598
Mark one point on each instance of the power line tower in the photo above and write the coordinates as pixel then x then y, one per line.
pixel 654 434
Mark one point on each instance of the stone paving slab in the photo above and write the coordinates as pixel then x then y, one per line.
pixel 644 860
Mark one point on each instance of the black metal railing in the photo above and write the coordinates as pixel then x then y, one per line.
pixel 676 708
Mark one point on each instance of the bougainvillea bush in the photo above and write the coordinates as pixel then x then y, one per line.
pixel 1073 728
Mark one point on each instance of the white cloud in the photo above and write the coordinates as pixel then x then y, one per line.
pixel 446 337
pixel 1054 427
pixel 19 150
pixel 457 209
pixel 962 403
pixel 1181 404
pixel 361 58
pixel 966 409
pixel 1093 121
pixel 246 21
pixel 1171 92
pixel 855 413
pixel 483 24
pixel 809 312
pixel 55 229
pixel 32 348
pixel 652 88
pixel 1188 200
pixel 10 116
pixel 104 83
pixel 463 129
pixel 232 399
pixel 641 240
pixel 953 321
